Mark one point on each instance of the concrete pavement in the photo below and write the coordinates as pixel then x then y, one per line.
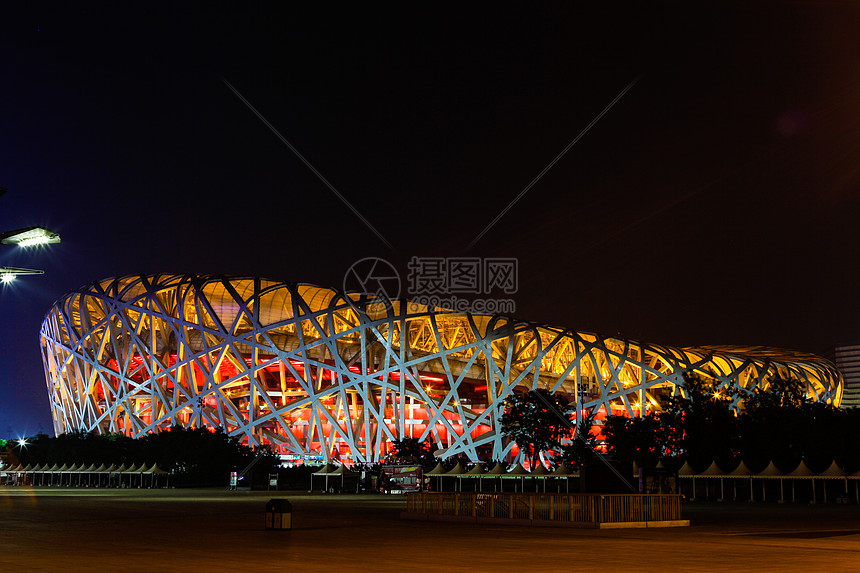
pixel 217 530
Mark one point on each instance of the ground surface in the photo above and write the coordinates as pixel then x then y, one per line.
pixel 216 530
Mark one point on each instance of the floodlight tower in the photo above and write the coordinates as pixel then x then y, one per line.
pixel 26 237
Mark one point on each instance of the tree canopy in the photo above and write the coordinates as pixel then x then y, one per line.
pixel 537 421
pixel 774 424
pixel 196 456
pixel 411 450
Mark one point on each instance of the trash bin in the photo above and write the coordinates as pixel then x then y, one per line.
pixel 279 514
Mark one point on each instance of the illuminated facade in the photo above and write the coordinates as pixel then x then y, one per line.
pixel 314 372
pixel 846 357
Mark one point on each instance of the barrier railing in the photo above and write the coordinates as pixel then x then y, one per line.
pixel 561 507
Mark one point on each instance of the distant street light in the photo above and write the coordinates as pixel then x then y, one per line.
pixel 26 237
pixel 8 274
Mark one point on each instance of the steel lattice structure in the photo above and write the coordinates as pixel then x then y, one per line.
pixel 317 372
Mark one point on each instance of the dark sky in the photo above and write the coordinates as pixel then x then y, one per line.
pixel 716 203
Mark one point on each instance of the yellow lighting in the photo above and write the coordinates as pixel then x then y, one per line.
pixel 282 370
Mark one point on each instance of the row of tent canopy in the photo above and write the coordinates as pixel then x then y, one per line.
pixel 686 471
pixel 335 470
pixel 771 471
pixel 460 471
pixel 91 469
pixel 499 471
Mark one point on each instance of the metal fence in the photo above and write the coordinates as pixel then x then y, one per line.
pixel 561 507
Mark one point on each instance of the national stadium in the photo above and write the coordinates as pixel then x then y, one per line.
pixel 323 375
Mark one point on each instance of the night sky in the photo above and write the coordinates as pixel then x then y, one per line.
pixel 717 202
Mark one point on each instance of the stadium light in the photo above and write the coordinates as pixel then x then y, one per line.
pixel 29 237
pixel 26 237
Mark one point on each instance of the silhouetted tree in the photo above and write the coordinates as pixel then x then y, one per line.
pixel 708 424
pixel 196 456
pixel 644 440
pixel 536 421
pixel 582 447
pixel 411 450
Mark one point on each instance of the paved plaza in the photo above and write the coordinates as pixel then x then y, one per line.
pixel 217 530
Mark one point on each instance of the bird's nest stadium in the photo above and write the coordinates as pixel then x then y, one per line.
pixel 324 375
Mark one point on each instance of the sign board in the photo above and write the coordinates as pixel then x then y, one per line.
pixel 400 479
